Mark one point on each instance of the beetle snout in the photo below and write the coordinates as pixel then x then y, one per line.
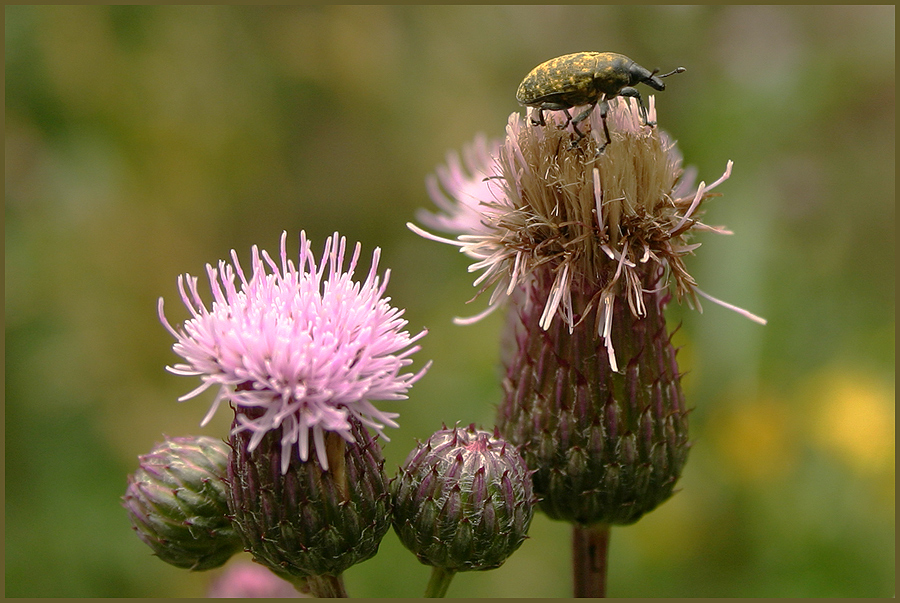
pixel 655 83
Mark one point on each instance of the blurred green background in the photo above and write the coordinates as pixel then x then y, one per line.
pixel 144 142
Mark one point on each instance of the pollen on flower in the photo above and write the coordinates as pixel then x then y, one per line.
pixel 303 345
pixel 603 223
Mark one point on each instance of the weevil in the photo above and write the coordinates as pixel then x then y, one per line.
pixel 586 78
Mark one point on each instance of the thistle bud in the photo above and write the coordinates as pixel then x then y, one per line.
pixel 309 521
pixel 463 500
pixel 177 503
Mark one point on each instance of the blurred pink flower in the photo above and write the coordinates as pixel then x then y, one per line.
pixel 306 345
pixel 250 581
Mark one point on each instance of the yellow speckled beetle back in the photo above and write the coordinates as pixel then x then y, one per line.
pixel 585 78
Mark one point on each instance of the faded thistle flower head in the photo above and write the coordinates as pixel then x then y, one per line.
pixel 539 202
pixel 586 247
pixel 299 348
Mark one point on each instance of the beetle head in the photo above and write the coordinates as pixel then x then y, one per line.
pixel 655 81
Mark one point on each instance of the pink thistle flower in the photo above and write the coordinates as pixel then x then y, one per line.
pixel 305 345
pixel 471 195
pixel 530 203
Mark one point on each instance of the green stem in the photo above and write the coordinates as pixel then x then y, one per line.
pixel 590 549
pixel 439 583
pixel 326 586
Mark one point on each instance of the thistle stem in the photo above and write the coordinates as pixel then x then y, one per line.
pixel 324 587
pixel 439 582
pixel 590 547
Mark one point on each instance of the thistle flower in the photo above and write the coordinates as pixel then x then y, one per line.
pixel 299 353
pixel 177 503
pixel 587 248
pixel 305 347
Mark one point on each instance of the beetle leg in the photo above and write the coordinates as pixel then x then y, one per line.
pixel 604 109
pixel 574 123
pixel 580 118
pixel 540 121
pixel 635 94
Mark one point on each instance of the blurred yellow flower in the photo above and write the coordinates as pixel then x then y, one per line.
pixel 854 419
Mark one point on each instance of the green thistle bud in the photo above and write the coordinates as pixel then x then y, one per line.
pixel 308 521
pixel 463 500
pixel 177 503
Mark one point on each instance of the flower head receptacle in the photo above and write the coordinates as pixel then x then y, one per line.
pixel 607 446
pixel 308 521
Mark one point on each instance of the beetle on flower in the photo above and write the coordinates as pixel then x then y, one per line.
pixel 586 78
pixel 585 249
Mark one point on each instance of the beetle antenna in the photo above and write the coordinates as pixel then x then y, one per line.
pixel 673 72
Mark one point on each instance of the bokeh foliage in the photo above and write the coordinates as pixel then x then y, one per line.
pixel 144 142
